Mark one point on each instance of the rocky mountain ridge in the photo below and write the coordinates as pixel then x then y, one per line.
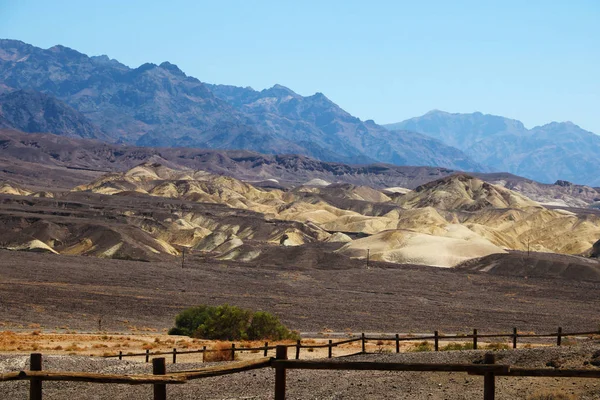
pixel 160 106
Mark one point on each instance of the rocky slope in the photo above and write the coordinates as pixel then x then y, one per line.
pixel 31 111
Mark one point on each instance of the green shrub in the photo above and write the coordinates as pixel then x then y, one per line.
pixel 224 322
pixel 227 322
pixel 267 326
pixel 188 320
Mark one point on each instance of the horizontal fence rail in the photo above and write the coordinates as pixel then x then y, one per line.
pixel 436 337
pixel 489 370
pixel 160 379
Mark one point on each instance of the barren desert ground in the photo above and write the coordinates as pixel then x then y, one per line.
pixel 74 292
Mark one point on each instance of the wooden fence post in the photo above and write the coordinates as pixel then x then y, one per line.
pixel 174 355
pixel 35 385
pixel 514 338
pixel 330 348
pixel 298 349
pixel 203 353
pixel 436 341
pixel 266 349
pixel 280 354
pixel 558 337
pixel 232 351
pixel 363 343
pixel 397 343
pixel 147 355
pixel 120 355
pixel 159 368
pixel 474 339
pixel 489 382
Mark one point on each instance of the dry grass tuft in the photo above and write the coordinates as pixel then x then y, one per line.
pixel 222 352
pixel 423 346
pixel 498 346
pixel 457 346
pixel 550 396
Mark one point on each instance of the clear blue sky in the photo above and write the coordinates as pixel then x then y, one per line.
pixel 537 61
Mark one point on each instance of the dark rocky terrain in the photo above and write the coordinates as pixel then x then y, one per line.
pixel 44 161
pixel 555 151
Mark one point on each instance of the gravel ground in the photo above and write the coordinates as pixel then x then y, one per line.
pixel 71 292
pixel 306 384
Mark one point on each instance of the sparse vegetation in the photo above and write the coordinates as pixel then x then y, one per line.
pixel 498 346
pixel 227 322
pixel 423 346
pixel 457 346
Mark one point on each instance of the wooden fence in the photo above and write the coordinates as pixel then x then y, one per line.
pixel 489 370
pixel 436 338
pixel 160 379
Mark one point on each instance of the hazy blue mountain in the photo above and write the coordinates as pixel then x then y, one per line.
pixel 460 130
pixel 545 153
pixel 159 105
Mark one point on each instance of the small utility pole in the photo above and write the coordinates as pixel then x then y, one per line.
pixel 182 257
pixel 368 254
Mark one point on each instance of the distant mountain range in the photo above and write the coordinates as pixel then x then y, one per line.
pixel 159 105
pixel 62 91
pixel 545 153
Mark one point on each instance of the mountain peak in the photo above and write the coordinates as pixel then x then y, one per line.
pixel 435 111
pixel 60 49
pixel 554 126
pixel 172 68
pixel 279 91
pixel 145 67
pixel 559 124
pixel 319 96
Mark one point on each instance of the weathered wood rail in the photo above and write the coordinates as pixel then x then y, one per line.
pixel 436 338
pixel 160 379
